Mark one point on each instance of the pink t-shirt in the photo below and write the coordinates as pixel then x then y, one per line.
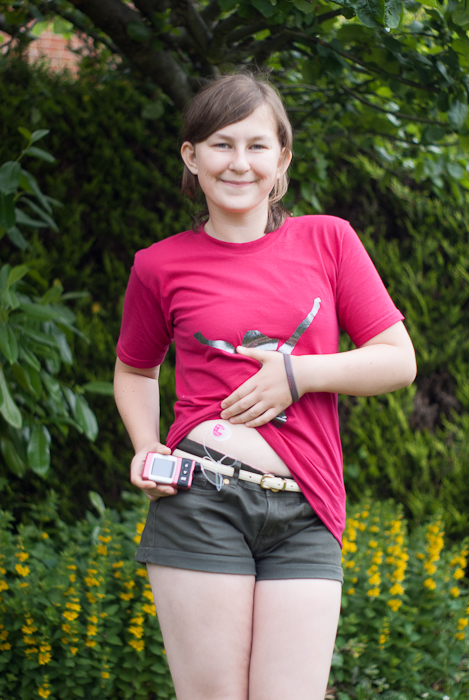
pixel 289 291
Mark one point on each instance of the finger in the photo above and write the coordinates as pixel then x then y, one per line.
pixel 251 413
pixel 263 418
pixel 254 353
pixel 241 393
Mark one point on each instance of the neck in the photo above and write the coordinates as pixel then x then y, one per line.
pixel 237 228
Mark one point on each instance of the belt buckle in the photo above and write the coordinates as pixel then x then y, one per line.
pixel 261 483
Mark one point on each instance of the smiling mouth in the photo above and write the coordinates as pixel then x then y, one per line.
pixel 237 182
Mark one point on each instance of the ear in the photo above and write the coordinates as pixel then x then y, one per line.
pixel 189 157
pixel 284 161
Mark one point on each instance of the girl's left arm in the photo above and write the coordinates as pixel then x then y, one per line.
pixel 383 364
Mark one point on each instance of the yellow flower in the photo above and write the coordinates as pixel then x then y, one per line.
pixel 397 589
pixel 73 606
pixel 430 584
pixel 351 591
pixel 373 592
pixel 24 584
pixel 148 594
pixel 91 630
pixel 138 620
pixel 4 635
pixel 142 572
pixel 70 615
pixel 460 635
pixel 430 567
pixel 22 570
pixel 22 556
pixel 43 691
pixel 375 580
pixel 126 596
pixel 374 528
pixel 136 631
pixel 462 623
pixel 382 640
pixel 44 536
pixel 72 567
pixel 93 619
pixel 66 628
pixel 105 675
pixel 73 650
pixel 118 564
pixel 104 540
pixel 455 591
pixel 149 609
pixel 140 528
pixel 373 544
pixel 419 555
pixel 137 644
pixel 5 647
pixel 102 549
pixel 459 573
pixel 90 643
pixel 394 604
pixel 29 628
pixel 44 658
pixel 91 581
pixel 3 586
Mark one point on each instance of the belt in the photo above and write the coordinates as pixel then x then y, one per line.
pixel 245 471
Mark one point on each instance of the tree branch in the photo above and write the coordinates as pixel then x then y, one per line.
pixel 113 17
pixel 186 12
pixel 211 12
pixel 242 32
pixel 81 26
pixel 149 7
pixel 398 115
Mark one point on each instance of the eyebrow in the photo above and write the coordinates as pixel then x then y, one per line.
pixel 221 135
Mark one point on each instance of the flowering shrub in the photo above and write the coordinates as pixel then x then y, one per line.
pixel 403 632
pixel 77 618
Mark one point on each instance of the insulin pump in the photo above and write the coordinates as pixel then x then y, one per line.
pixel 166 469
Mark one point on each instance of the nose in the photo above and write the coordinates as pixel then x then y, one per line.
pixel 239 162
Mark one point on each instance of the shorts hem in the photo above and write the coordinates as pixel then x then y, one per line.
pixel 271 573
pixel 211 563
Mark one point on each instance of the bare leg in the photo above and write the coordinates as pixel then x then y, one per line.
pixel 206 621
pixel 294 630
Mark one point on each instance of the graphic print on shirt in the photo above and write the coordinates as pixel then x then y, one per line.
pixel 257 339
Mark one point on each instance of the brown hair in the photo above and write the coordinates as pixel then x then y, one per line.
pixel 228 100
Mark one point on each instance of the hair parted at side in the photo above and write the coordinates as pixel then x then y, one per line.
pixel 228 100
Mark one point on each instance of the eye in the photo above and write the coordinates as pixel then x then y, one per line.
pixel 221 145
pixel 258 146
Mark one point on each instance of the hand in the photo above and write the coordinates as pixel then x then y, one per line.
pixel 151 490
pixel 262 397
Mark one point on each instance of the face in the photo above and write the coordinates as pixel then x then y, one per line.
pixel 238 165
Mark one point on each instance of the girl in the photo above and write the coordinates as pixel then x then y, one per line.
pixel 245 566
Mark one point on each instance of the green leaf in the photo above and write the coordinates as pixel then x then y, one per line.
pixel 393 10
pixel 42 312
pixel 7 211
pixel 17 465
pixel 154 110
pixel 39 153
pixel 29 357
pixel 25 220
pixel 103 388
pixel 304 6
pixel 86 418
pixel 460 15
pixel 28 379
pixel 8 343
pixel 97 502
pixel 39 134
pixel 16 274
pixel 38 450
pixel 25 132
pixel 267 8
pixel 39 337
pixel 457 113
pixel 369 12
pixel 40 212
pixel 17 238
pixel 64 348
pixel 10 176
pixel 29 183
pixel 456 170
pixel 138 31
pixel 8 407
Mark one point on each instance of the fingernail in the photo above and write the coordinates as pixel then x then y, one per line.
pixel 223 405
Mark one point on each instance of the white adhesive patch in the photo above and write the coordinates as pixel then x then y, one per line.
pixel 221 431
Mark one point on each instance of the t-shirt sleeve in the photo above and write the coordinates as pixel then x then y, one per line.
pixel 364 307
pixel 145 333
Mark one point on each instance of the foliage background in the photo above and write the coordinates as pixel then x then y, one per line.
pixel 117 173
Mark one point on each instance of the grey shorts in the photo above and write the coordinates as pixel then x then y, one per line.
pixel 241 529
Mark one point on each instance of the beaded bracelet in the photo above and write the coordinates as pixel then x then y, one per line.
pixel 291 379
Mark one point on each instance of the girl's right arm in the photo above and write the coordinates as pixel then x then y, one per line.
pixel 138 399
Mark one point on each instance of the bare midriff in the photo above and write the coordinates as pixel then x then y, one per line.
pixel 244 444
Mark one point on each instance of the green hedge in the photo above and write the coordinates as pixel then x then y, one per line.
pixel 117 176
pixel 77 618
